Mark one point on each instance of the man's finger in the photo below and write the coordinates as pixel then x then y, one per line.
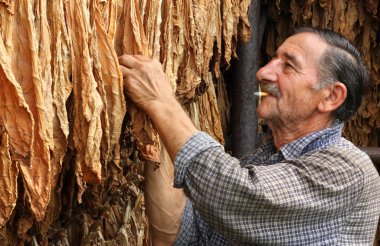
pixel 142 58
pixel 124 70
pixel 127 61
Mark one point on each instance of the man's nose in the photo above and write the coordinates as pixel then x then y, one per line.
pixel 269 72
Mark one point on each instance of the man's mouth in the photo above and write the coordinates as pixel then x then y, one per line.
pixel 270 89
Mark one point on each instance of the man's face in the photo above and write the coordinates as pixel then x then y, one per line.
pixel 291 78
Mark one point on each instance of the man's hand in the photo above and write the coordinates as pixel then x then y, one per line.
pixel 145 82
pixel 147 85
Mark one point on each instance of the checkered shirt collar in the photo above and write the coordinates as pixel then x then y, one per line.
pixel 317 140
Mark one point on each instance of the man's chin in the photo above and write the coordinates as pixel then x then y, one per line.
pixel 266 112
pixel 263 109
pixel 262 113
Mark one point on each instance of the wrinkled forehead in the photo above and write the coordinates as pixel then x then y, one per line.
pixel 306 47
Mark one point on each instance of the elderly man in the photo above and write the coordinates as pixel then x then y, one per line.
pixel 309 186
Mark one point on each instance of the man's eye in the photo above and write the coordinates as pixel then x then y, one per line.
pixel 287 65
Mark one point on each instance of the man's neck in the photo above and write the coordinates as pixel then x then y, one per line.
pixel 285 134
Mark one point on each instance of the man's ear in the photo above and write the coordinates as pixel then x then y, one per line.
pixel 333 96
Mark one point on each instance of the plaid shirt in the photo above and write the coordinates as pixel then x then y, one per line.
pixel 317 190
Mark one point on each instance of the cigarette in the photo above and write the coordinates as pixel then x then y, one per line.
pixel 261 94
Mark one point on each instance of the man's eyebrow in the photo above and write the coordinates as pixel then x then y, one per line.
pixel 292 58
pixel 289 57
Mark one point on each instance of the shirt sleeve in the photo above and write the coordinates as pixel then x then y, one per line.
pixel 193 230
pixel 197 143
pixel 285 201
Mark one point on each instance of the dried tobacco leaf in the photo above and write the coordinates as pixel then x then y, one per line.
pixel 371 6
pixel 62 87
pixel 351 17
pixel 188 75
pixel 17 122
pixel 88 103
pixel 152 22
pixel 9 5
pixel 111 79
pixel 205 114
pixel 339 8
pixel 246 27
pixel 31 67
pixel 8 182
pixel 171 41
pixel 229 19
pixel 14 113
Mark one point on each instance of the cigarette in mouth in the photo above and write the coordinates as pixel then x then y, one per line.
pixel 261 94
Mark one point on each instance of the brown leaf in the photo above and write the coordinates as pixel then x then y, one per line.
pixel 8 182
